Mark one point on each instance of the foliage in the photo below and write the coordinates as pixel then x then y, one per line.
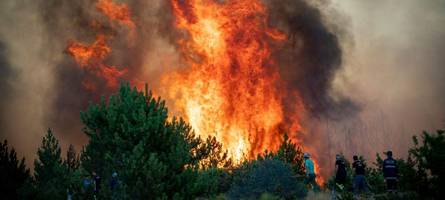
pixel 13 172
pixel 428 156
pixel 154 156
pixel 50 173
pixel 72 161
pixel 292 154
pixel 374 176
pixel 265 175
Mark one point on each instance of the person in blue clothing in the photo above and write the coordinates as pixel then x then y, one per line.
pixel 114 184
pixel 86 183
pixel 310 172
pixel 114 181
pixel 390 172
pixel 96 181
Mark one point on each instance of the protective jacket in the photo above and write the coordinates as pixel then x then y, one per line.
pixel 390 168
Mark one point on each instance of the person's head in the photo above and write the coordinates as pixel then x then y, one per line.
pixel 337 157
pixel 355 157
pixel 389 154
pixel 306 155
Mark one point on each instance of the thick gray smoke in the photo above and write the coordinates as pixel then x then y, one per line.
pixel 370 73
pixel 311 59
pixel 309 64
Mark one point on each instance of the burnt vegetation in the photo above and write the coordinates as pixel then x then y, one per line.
pixel 136 151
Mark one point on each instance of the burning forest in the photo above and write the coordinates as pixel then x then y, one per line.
pixel 248 80
pixel 228 80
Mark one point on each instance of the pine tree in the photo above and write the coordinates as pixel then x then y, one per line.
pixel 72 161
pixel 49 171
pixel 290 153
pixel 13 172
pixel 154 156
pixel 429 157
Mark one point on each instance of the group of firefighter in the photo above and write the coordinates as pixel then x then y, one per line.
pixel 92 184
pixel 359 183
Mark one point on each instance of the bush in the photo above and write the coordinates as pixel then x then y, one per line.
pixel 428 157
pixel 268 175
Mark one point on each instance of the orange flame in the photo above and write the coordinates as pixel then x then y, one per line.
pixel 91 57
pixel 116 12
pixel 232 87
pixel 319 179
pixel 86 55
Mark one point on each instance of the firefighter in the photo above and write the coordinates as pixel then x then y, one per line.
pixel 310 172
pixel 86 182
pixel 359 183
pixel 340 176
pixel 340 169
pixel 390 172
pixel 96 181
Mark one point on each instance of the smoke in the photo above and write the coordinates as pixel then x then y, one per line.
pixel 40 84
pixel 6 86
pixel 73 20
pixel 311 59
pixel 393 68
pixel 370 74
pixel 26 76
pixel 310 62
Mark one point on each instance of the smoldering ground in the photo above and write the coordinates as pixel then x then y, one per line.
pixel 347 85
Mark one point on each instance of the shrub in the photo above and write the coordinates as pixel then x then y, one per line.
pixel 265 175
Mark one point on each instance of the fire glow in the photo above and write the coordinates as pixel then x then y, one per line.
pixel 228 84
pixel 231 88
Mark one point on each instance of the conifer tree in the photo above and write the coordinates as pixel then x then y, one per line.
pixel 72 161
pixel 290 153
pixel 49 171
pixel 429 155
pixel 154 156
pixel 13 172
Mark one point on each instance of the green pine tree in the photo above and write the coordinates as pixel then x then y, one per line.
pixel 49 171
pixel 154 156
pixel 429 157
pixel 13 172
pixel 72 161
pixel 290 153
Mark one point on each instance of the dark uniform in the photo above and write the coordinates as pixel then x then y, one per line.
pixel 359 182
pixel 390 173
pixel 340 176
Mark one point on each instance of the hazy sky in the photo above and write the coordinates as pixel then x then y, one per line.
pixel 394 66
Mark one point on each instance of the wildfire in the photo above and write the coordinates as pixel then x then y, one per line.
pixel 232 87
pixel 229 86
